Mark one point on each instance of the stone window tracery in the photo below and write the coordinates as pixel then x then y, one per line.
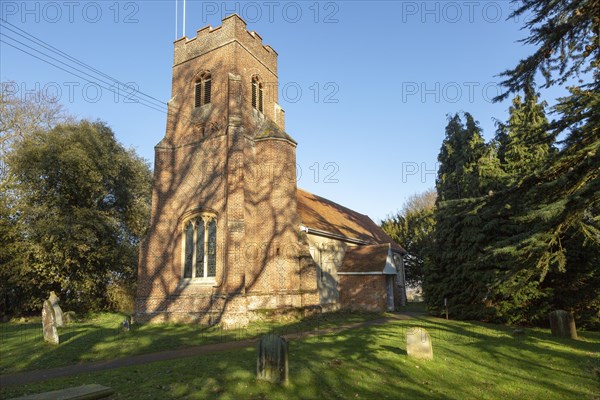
pixel 200 247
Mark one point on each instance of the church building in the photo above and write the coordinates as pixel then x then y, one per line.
pixel 231 235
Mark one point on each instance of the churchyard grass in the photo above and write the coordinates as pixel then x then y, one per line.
pixel 471 361
pixel 100 337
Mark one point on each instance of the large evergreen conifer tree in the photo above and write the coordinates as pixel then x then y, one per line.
pixel 532 247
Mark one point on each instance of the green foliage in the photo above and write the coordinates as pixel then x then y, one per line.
pixel 561 244
pixel 10 254
pixel 524 142
pixel 457 272
pixel 468 167
pixel 566 38
pixel 520 252
pixel 413 228
pixel 497 258
pixel 121 296
pixel 19 118
pixel 82 205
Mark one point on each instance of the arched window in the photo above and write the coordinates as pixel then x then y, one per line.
pixel 200 247
pixel 257 94
pixel 202 89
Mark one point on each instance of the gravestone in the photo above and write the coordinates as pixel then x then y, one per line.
pixel 49 323
pixel 562 324
pixel 418 344
pixel 272 359
pixel 69 317
pixel 91 391
pixel 58 314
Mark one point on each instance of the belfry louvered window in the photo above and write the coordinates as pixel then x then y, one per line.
pixel 257 94
pixel 202 91
pixel 200 247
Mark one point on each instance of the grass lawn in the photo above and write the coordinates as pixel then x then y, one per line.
pixel 471 361
pixel 100 337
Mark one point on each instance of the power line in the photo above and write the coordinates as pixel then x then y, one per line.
pixel 55 59
pixel 72 73
pixel 39 42
pixel 55 50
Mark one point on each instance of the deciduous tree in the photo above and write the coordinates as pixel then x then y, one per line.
pixel 83 204
pixel 413 228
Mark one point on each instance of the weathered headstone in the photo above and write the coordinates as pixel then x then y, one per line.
pixel 272 359
pixel 562 324
pixel 58 314
pixel 418 344
pixel 49 323
pixel 69 317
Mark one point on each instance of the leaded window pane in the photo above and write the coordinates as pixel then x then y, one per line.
pixel 212 248
pixel 200 249
pixel 189 250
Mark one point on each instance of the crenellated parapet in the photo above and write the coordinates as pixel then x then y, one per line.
pixel 232 29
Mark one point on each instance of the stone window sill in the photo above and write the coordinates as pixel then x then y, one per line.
pixel 209 282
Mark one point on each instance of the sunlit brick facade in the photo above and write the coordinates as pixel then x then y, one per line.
pixel 225 241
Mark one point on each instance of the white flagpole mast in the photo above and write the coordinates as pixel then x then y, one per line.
pixel 176 19
pixel 183 18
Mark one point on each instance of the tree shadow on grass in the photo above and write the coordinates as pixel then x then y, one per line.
pixel 499 347
pixel 369 363
pixel 102 338
pixel 395 350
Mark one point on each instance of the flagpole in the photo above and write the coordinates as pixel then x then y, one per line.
pixel 183 18
pixel 176 18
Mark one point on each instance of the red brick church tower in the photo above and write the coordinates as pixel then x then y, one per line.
pixel 231 235
pixel 224 238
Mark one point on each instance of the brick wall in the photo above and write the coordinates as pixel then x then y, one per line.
pixel 363 292
pixel 209 161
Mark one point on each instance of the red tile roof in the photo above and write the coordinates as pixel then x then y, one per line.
pixel 325 215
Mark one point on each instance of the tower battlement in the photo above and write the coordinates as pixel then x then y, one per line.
pixel 232 29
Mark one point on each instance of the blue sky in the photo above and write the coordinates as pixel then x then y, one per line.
pixel 366 86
